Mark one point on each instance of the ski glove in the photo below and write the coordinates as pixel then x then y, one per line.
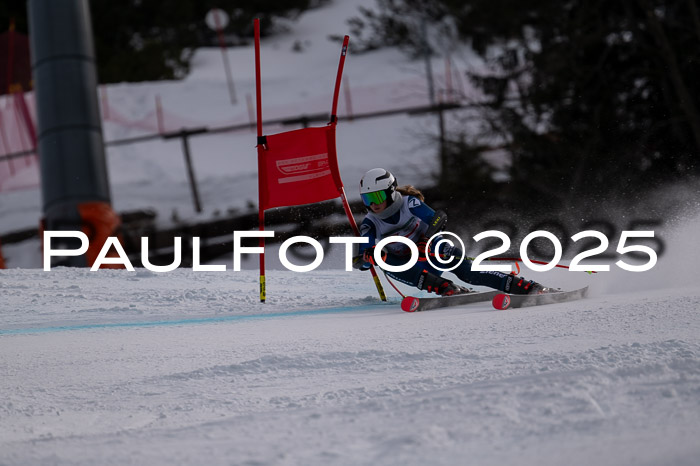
pixel 359 263
pixel 366 260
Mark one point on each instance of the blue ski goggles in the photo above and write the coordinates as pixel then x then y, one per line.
pixel 376 197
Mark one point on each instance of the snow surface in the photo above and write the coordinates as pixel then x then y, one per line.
pixel 118 367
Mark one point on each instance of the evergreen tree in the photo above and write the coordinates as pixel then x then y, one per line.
pixel 588 96
pixel 139 40
pixel 146 40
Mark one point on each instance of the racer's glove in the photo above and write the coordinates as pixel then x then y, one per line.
pixel 366 260
pixel 359 263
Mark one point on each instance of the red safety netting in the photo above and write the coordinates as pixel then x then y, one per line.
pixel 18 135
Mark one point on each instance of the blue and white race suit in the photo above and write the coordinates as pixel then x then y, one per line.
pixel 411 221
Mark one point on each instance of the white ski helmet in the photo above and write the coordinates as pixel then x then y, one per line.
pixel 376 186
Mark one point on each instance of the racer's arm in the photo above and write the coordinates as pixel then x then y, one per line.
pixel 434 219
pixel 367 230
pixel 420 209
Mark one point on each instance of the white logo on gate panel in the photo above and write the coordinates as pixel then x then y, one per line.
pixel 303 168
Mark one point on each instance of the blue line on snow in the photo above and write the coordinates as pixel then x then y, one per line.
pixel 202 320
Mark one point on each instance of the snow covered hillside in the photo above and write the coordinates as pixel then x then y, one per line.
pixel 153 175
pixel 184 367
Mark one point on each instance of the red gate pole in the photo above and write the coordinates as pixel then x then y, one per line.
pixel 339 182
pixel 261 147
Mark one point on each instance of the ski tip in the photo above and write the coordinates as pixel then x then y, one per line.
pixel 501 301
pixel 410 304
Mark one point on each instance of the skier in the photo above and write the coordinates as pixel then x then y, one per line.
pixel 401 211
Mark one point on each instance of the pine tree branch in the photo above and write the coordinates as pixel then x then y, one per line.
pixel 668 54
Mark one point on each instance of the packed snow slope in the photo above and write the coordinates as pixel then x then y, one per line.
pixel 118 367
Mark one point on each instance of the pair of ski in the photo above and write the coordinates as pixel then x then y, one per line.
pixel 498 299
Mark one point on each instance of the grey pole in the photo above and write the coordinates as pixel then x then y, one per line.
pixel 70 142
pixel 431 93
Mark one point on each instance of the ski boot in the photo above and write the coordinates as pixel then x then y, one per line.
pixel 438 285
pixel 518 285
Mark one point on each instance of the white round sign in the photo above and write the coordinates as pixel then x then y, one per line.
pixel 216 19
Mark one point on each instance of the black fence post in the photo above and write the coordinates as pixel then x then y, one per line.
pixel 185 134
